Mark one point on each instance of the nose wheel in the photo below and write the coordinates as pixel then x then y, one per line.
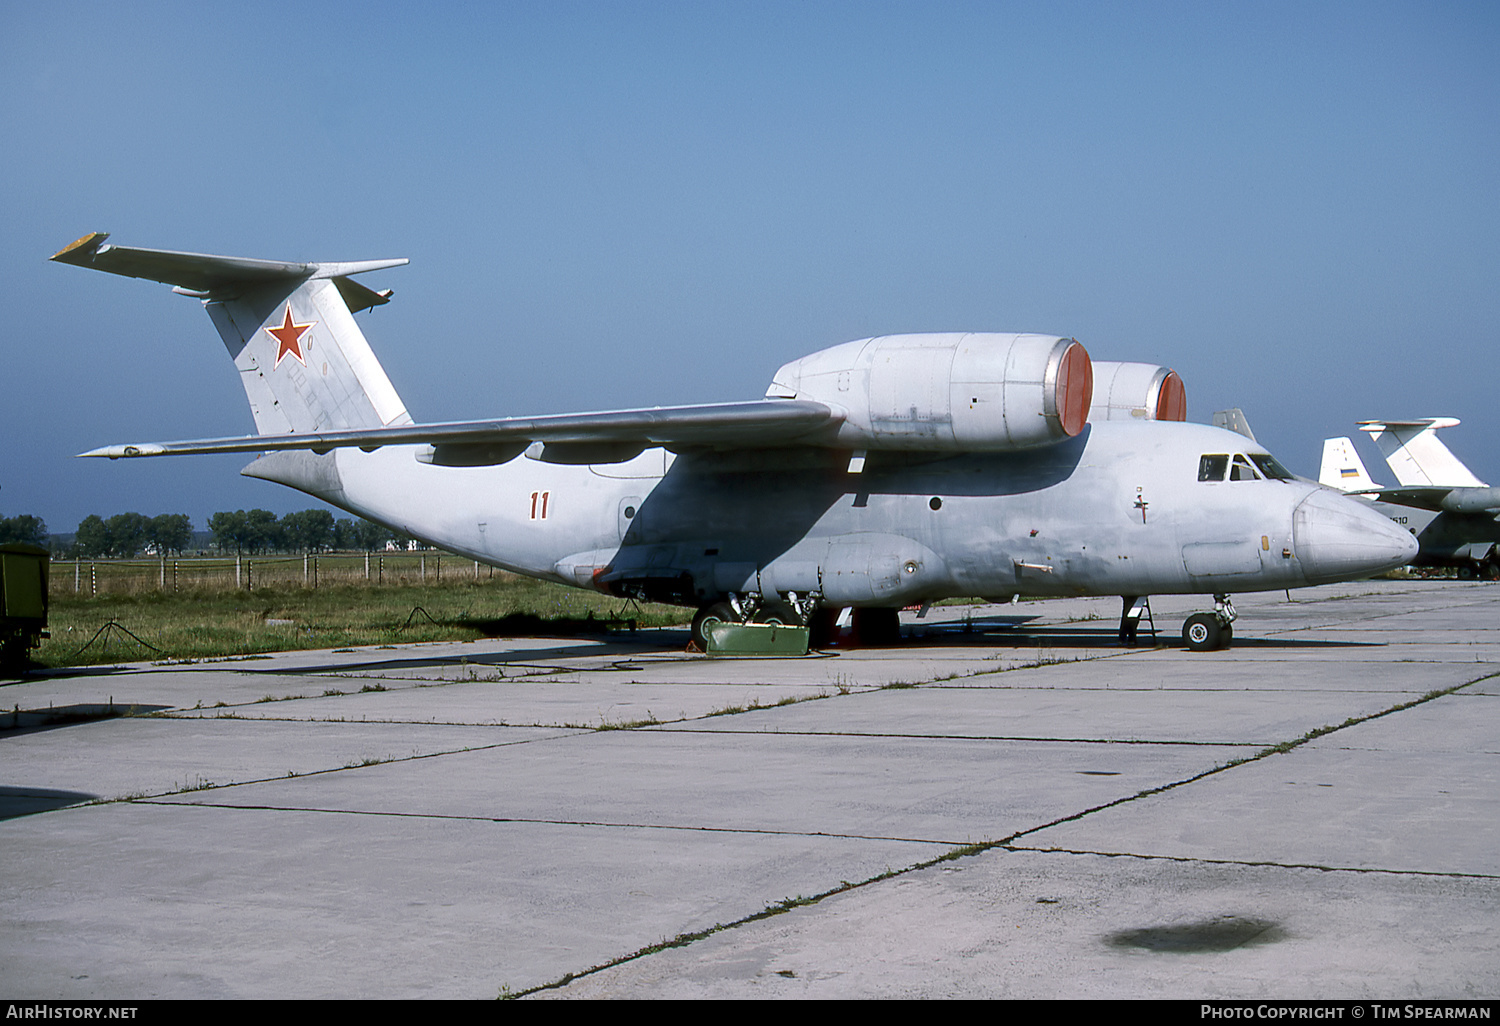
pixel 1208 632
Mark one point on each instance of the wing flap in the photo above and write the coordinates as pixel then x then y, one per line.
pixel 759 424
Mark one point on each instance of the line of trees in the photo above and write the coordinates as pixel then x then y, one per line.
pixel 129 534
pixel 126 535
pixel 311 530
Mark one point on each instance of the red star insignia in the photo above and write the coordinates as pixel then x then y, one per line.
pixel 289 337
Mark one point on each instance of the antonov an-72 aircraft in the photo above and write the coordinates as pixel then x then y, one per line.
pixel 874 475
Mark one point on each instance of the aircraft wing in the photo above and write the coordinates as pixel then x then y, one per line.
pixel 1441 499
pixel 1417 498
pixel 603 437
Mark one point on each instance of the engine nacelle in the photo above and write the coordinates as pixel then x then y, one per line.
pixel 947 392
pixel 1472 500
pixel 1136 391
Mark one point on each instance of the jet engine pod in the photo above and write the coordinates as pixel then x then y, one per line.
pixel 1136 391
pixel 948 392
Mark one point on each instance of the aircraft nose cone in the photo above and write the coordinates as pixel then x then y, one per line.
pixel 1340 539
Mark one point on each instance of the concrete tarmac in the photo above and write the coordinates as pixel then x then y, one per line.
pixel 1010 804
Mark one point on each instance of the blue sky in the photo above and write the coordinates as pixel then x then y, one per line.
pixel 614 204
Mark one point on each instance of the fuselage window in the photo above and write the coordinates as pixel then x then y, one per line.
pixel 1211 468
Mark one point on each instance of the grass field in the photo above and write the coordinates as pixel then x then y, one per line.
pixel 145 623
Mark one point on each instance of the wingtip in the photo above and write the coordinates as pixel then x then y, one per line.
pixel 115 452
pixel 80 250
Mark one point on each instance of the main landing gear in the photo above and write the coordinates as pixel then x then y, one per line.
pixel 1206 632
pixel 828 625
pixel 793 611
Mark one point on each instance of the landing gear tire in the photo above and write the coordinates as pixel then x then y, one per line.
pixel 1202 632
pixel 779 613
pixel 1492 571
pixel 717 612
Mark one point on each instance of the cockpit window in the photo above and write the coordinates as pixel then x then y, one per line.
pixel 1241 471
pixel 1269 467
pixel 1239 467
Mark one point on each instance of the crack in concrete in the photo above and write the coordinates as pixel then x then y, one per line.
pixel 538 821
pixel 1004 843
pixel 669 729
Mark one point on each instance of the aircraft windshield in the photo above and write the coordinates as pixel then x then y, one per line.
pixel 1241 471
pixel 1238 467
pixel 1269 467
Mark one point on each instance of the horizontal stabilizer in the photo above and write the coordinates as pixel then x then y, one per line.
pixel 1416 425
pixel 201 272
pixel 757 424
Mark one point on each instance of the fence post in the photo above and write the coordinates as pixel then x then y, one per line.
pixel 306 580
pixel 93 578
pixel 162 582
pixel 381 571
pixel 249 575
pixel 174 576
pixel 238 583
pixel 424 568
pixel 476 569
pixel 75 576
pixel 315 573
pixel 367 564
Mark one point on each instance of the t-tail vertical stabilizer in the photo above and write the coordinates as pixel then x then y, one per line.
pixel 289 327
pixel 1415 454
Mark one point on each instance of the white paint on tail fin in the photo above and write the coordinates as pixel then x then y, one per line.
pixel 1343 469
pixel 326 378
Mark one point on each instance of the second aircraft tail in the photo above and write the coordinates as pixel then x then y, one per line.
pixel 1417 456
pixel 1343 469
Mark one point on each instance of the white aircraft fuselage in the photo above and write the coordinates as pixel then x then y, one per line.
pixel 1117 511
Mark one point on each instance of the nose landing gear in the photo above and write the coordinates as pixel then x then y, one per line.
pixel 1207 632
